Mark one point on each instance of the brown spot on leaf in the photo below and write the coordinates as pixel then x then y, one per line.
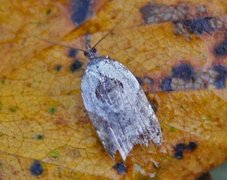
pixel 204 176
pixel 61 122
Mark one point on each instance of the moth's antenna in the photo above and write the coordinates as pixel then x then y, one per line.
pixel 56 43
pixel 111 31
pixel 107 34
pixel 101 39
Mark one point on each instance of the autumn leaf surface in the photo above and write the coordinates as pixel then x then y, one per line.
pixel 180 61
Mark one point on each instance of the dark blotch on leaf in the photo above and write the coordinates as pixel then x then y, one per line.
pixel 72 53
pixel 221 49
pixel 166 84
pixel 2 81
pixel 191 146
pixel 80 10
pixel 36 168
pixel 39 136
pixel 120 168
pixel 183 71
pixel 75 66
pixel 48 11
pixel 221 77
pixel 198 26
pixel 221 69
pixel 180 147
pixel 179 151
pixel 146 12
pixel 52 110
pixel 204 176
pixel 219 82
pixel 179 155
pixel 58 67
pixel 12 109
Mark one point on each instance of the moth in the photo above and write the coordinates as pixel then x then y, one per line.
pixel 116 105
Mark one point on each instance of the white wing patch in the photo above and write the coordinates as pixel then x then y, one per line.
pixel 118 107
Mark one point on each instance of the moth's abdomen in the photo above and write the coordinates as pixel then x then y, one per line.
pixel 117 107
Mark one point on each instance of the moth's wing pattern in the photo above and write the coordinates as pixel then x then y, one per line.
pixel 118 107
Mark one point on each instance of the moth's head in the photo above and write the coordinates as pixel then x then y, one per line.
pixel 90 52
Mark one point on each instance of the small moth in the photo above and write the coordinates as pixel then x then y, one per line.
pixel 117 105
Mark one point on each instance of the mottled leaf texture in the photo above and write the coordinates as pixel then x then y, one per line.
pixel 118 107
pixel 175 49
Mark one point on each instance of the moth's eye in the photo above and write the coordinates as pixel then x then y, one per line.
pixel 93 50
pixel 86 53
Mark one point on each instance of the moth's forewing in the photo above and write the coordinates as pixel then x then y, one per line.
pixel 118 107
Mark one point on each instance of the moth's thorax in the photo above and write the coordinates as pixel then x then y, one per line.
pixel 94 57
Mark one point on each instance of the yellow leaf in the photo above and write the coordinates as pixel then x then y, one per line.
pixel 44 128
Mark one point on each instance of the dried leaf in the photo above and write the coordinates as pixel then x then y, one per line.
pixel 44 128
